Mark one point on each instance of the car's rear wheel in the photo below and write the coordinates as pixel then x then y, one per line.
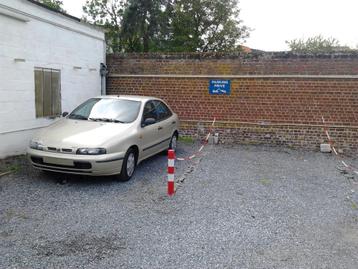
pixel 129 165
pixel 174 142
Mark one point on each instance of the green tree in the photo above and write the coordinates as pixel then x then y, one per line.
pixel 107 14
pixel 143 23
pixel 207 25
pixel 168 25
pixel 316 44
pixel 54 4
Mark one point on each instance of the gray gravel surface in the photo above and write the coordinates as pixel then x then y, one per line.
pixel 238 207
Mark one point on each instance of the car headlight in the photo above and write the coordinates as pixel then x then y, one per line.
pixel 36 145
pixel 91 151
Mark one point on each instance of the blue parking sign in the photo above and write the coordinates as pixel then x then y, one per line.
pixel 219 86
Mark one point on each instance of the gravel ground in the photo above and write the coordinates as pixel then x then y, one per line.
pixel 237 207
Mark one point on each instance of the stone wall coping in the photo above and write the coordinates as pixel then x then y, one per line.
pixel 255 55
pixel 249 76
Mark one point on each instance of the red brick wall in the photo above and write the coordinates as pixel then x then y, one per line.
pixel 276 110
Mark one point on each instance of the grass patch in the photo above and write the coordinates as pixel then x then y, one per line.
pixel 12 164
pixel 13 168
pixel 354 205
pixel 186 139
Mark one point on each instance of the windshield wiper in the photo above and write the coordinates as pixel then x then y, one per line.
pixel 78 117
pixel 107 120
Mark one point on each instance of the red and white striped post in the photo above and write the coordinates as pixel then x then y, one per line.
pixel 171 169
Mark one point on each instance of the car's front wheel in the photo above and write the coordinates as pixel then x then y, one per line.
pixel 129 165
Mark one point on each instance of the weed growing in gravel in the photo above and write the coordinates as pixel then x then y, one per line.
pixel 14 168
pixel 11 213
pixel 265 181
pixel 11 165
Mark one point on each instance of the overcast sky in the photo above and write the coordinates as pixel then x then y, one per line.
pixel 275 21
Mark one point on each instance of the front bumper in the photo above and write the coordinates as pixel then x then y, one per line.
pixel 91 165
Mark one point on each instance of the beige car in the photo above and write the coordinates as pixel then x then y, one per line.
pixel 107 135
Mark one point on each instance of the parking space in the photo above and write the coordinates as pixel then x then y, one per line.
pixel 239 207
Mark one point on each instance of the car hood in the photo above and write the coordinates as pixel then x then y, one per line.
pixel 67 133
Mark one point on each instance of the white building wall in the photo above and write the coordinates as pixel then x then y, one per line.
pixel 31 36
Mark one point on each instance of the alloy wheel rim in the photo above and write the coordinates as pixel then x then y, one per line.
pixel 130 164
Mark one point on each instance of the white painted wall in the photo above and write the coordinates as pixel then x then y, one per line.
pixel 43 39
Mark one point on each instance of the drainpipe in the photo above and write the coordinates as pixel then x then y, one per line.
pixel 104 73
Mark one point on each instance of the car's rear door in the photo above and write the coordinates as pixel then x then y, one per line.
pixel 166 123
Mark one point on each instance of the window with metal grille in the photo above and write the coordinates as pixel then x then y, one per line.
pixel 47 92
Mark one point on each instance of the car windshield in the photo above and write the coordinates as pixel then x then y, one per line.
pixel 107 110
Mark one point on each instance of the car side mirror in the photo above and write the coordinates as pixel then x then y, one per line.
pixel 149 121
pixel 64 114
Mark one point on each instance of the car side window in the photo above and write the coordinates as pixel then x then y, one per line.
pixel 162 111
pixel 149 111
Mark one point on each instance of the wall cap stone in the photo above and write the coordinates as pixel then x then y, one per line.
pixel 255 55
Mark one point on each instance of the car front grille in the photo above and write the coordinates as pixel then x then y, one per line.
pixel 63 150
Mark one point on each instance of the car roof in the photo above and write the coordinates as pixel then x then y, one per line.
pixel 129 97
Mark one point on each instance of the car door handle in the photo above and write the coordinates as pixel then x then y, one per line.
pixel 160 128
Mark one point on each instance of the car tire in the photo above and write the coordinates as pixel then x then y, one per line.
pixel 128 166
pixel 173 142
